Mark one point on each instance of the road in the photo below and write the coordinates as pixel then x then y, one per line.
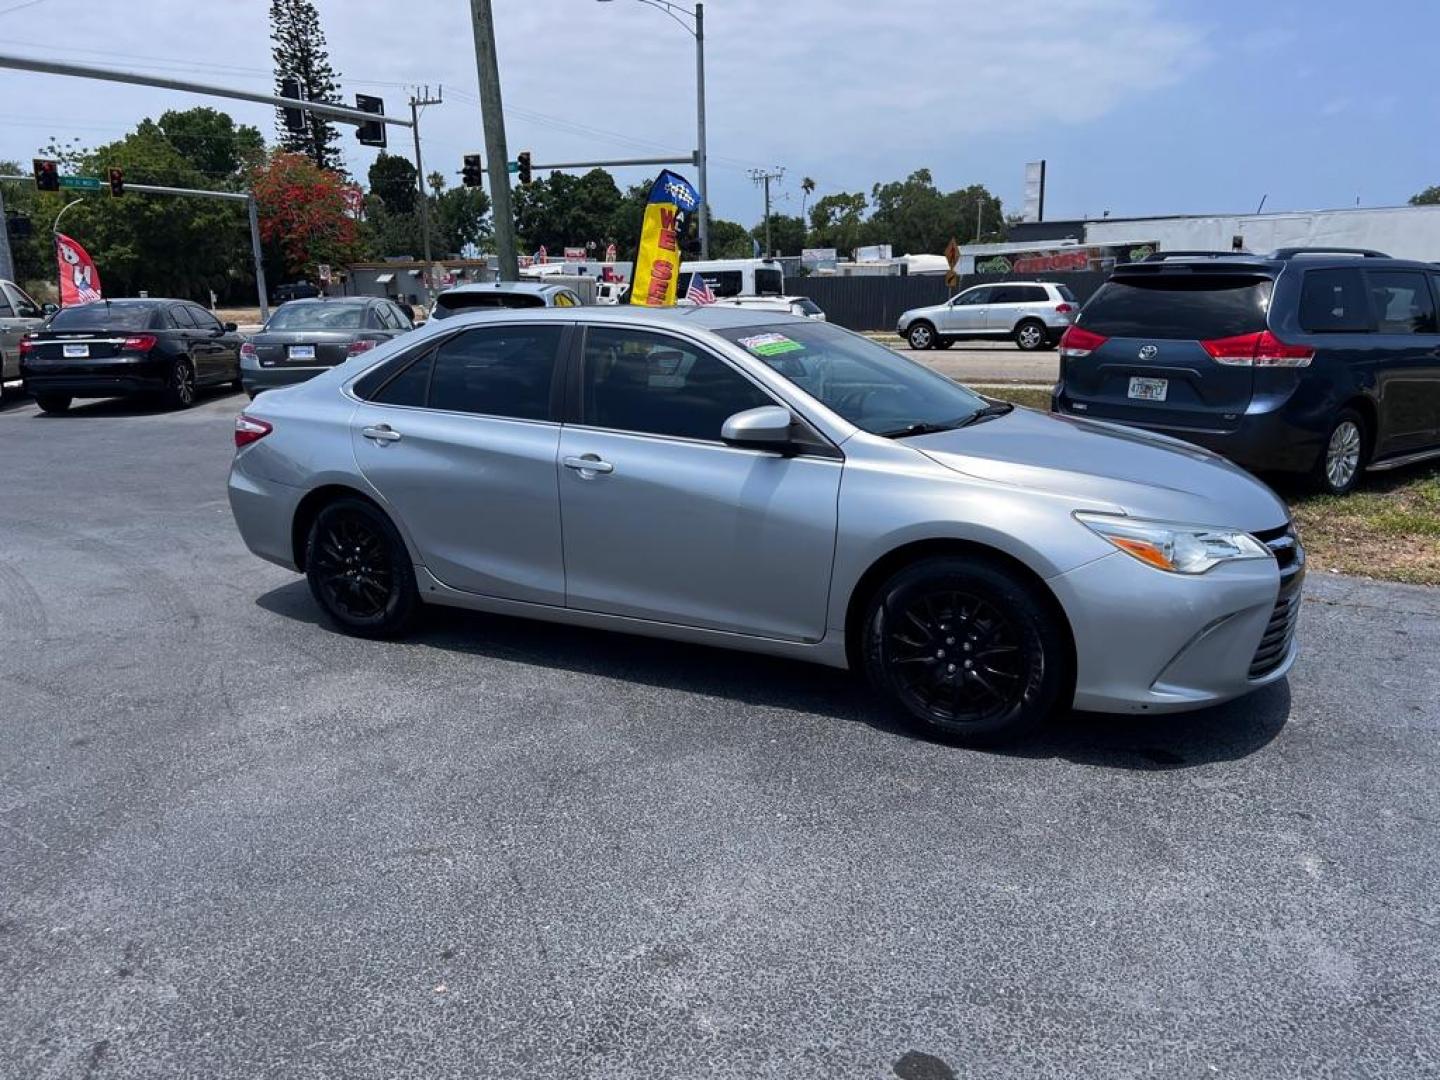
pixel 985 361
pixel 234 843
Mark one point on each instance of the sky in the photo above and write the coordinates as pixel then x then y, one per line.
pixel 1138 106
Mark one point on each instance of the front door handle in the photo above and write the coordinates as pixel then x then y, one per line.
pixel 381 433
pixel 589 463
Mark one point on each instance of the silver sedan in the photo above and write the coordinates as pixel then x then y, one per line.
pixel 762 482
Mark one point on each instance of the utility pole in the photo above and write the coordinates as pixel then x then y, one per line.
pixel 487 66
pixel 416 103
pixel 762 177
pixel 700 153
pixel 7 263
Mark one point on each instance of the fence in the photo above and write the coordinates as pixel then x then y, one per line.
pixel 875 303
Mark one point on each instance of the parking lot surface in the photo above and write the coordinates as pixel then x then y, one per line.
pixel 234 843
pixel 984 361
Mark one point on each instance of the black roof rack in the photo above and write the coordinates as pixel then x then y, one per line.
pixel 1161 256
pixel 1291 252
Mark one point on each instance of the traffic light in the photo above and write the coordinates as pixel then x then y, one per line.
pixel 47 174
pixel 472 175
pixel 371 133
pixel 524 161
pixel 117 181
pixel 290 88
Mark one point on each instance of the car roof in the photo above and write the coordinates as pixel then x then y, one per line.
pixel 533 288
pixel 306 301
pixel 700 316
pixel 1222 262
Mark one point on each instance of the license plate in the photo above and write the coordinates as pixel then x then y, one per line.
pixel 75 351
pixel 302 352
pixel 1149 389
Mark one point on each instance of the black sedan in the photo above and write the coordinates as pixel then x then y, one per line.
pixel 124 348
pixel 305 337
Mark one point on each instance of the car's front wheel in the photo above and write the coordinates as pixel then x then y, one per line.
pixel 921 336
pixel 1031 335
pixel 1342 460
pixel 359 570
pixel 966 650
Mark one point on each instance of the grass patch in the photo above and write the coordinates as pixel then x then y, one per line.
pixel 1388 529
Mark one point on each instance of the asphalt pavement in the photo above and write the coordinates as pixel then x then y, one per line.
pixel 235 843
pixel 984 361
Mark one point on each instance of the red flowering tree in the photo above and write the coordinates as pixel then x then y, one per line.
pixel 307 212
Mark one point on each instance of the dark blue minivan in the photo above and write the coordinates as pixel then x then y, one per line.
pixel 1321 362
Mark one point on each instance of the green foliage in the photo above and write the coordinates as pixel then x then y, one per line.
pixel 838 221
pixel 299 49
pixel 392 180
pixel 563 210
pixel 1429 197
pixel 787 235
pixel 729 240
pixel 459 218
pixel 914 216
pixel 214 144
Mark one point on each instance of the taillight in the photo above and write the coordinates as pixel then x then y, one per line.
pixel 247 351
pixel 249 430
pixel 138 343
pixel 26 346
pixel 1077 342
pixel 1063 309
pixel 357 347
pixel 1261 349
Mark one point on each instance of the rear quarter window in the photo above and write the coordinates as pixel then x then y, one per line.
pixel 1189 308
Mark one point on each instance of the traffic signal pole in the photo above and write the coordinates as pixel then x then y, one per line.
pixel 487 67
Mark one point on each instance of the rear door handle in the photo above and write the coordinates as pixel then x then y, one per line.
pixel 381 433
pixel 589 463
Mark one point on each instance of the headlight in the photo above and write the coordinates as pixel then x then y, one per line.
pixel 1180 549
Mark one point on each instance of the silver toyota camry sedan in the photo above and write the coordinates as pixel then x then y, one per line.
pixel 757 481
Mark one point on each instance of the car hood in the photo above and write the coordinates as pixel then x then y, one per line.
pixel 1144 474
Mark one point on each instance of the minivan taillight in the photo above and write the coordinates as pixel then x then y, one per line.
pixel 1260 349
pixel 357 347
pixel 138 343
pixel 250 430
pixel 1077 342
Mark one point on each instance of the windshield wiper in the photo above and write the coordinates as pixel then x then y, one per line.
pixel 989 412
pixel 918 428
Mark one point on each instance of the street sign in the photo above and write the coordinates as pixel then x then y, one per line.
pixel 81 183
pixel 610 253
pixel 952 256
pixel 512 167
pixel 323 273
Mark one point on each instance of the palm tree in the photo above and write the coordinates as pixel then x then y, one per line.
pixel 808 187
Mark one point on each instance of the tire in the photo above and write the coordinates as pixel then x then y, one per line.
pixel 1031 335
pixel 53 403
pixel 921 336
pixel 180 387
pixel 359 570
pixel 959 606
pixel 1342 459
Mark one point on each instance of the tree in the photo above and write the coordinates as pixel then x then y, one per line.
pixel 838 221
pixel 729 240
pixel 1429 197
pixel 807 188
pixel 787 235
pixel 628 219
pixel 565 210
pixel 915 218
pixel 213 143
pixel 459 217
pixel 306 212
pixel 392 179
pixel 299 51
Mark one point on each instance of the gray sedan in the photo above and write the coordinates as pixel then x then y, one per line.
pixel 306 337
pixel 762 482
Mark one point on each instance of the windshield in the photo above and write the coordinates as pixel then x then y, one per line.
pixel 447 305
pixel 317 317
pixel 875 389
pixel 103 317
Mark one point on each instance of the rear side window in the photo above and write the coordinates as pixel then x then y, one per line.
pixel 1189 308
pixel 497 371
pixel 1333 302
pixel 805 306
pixel 1402 302
pixel 1018 294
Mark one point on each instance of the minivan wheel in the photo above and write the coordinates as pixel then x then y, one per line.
pixel 359 570
pixel 53 403
pixel 1030 335
pixel 965 650
pixel 921 336
pixel 1342 459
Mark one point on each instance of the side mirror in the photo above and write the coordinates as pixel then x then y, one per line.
pixel 230 328
pixel 49 309
pixel 765 428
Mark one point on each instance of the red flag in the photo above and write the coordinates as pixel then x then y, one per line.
pixel 79 280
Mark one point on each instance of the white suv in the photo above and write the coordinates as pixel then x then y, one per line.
pixel 1032 313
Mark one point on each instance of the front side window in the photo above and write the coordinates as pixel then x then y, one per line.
pixel 1402 302
pixel 497 371
pixel 1333 302
pixel 654 384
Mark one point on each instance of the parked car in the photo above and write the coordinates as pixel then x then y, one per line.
pixel 503 294
pixel 123 348
pixel 802 306
pixel 295 290
pixel 304 337
pixel 1033 314
pixel 678 473
pixel 1306 361
pixel 19 315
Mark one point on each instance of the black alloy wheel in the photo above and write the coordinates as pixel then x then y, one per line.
pixel 965 650
pixel 180 389
pixel 359 570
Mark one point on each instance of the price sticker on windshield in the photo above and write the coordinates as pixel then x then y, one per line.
pixel 771 344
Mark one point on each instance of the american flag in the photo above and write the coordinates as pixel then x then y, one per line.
pixel 699 291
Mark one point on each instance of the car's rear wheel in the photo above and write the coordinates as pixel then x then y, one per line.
pixel 1342 460
pixel 1031 335
pixel 53 403
pixel 921 336
pixel 359 570
pixel 965 650
pixel 180 387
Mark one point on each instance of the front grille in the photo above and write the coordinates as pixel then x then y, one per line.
pixel 1280 630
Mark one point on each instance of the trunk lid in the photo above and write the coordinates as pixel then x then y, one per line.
pixel 305 348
